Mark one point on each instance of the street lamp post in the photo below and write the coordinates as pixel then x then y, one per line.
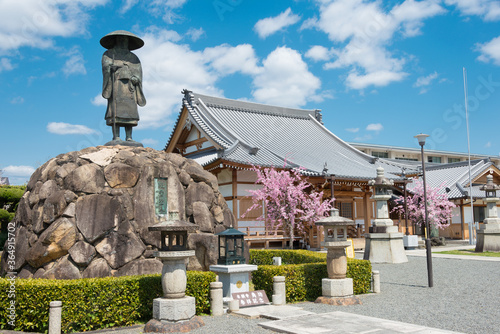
pixel 421 141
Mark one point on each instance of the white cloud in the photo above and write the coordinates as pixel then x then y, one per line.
pixel 17 100
pixel 195 34
pixel 34 22
pixel 99 101
pixel 60 128
pixel 353 130
pixel 318 53
pixel 270 25
pixel 165 8
pixel 362 138
pixel 490 51
pixel 6 64
pixel 25 171
pixel 374 127
pixel 127 5
pixel 375 78
pixel 364 30
pixel 425 81
pixel 75 63
pixel 226 59
pixel 488 144
pixel 489 10
pixel 285 80
pixel 149 141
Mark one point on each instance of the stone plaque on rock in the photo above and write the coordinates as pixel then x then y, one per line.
pixel 252 298
pixel 161 205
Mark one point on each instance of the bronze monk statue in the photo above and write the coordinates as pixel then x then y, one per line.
pixel 122 84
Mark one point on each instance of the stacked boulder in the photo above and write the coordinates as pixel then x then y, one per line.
pixel 86 214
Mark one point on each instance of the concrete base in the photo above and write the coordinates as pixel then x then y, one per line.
pixel 341 301
pixel 488 240
pixel 410 242
pixel 337 287
pixel 234 278
pixel 155 326
pixel 173 310
pixel 385 248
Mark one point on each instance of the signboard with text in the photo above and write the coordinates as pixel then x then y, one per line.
pixel 251 298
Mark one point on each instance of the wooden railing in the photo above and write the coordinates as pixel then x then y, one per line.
pixel 267 237
pixel 259 235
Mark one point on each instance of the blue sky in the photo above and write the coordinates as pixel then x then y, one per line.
pixel 381 71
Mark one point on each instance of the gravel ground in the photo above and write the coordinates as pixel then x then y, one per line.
pixel 465 298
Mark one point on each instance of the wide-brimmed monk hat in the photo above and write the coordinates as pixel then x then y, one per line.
pixel 109 40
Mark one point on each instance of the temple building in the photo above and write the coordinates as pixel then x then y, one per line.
pixel 227 137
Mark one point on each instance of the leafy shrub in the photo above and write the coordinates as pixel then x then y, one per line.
pixel 303 280
pixel 11 194
pixel 95 303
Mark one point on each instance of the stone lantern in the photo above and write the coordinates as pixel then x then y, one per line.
pixel 488 236
pixel 231 268
pixel 384 244
pixel 231 247
pixel 336 289
pixel 174 306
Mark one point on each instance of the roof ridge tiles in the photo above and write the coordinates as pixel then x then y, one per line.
pixel 255 111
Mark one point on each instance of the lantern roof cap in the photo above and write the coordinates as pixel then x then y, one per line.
pixel 489 184
pixel 381 180
pixel 334 219
pixel 230 231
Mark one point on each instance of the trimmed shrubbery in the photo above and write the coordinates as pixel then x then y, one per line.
pixel 95 303
pixel 303 271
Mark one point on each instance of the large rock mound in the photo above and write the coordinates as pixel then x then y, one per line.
pixel 87 213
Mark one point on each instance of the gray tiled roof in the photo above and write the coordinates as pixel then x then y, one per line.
pixel 455 177
pixel 252 133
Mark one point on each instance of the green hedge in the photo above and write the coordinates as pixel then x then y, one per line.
pixel 303 280
pixel 95 303
pixel 288 256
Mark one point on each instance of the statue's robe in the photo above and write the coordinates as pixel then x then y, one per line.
pixel 122 95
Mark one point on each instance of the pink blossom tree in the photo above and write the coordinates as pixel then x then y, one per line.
pixel 289 206
pixel 439 208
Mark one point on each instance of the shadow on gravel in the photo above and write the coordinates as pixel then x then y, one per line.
pixel 402 284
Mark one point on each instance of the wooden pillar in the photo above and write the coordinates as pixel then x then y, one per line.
pixel 462 223
pixel 235 197
pixel 366 207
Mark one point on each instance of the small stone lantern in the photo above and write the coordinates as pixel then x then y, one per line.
pixel 335 240
pixel 174 306
pixel 336 289
pixel 488 236
pixel 231 247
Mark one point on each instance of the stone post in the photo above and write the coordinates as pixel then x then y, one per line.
pixel 234 305
pixel 279 290
pixel 216 299
pixel 55 317
pixel 376 281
